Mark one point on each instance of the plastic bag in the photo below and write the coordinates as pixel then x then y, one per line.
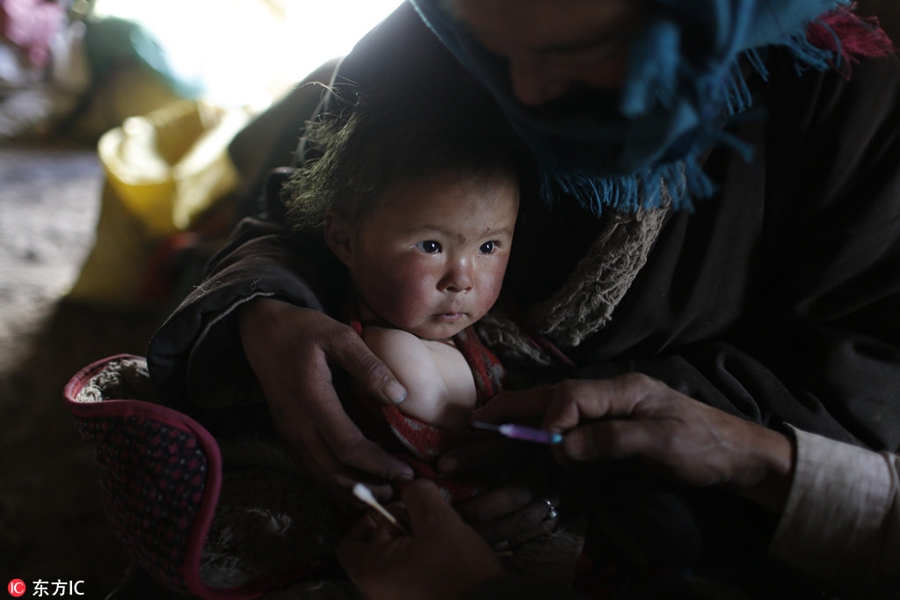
pixel 163 172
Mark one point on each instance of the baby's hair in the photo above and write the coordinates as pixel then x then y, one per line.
pixel 397 134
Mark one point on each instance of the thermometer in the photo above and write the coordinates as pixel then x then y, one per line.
pixel 522 432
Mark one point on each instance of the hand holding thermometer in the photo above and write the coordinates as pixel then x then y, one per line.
pixel 522 432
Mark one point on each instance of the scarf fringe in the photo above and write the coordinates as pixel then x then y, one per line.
pixel 684 181
pixel 846 37
pixel 836 40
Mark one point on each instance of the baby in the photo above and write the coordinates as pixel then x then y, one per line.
pixel 418 197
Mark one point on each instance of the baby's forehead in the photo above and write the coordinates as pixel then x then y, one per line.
pixel 439 187
pixel 448 199
pixel 469 178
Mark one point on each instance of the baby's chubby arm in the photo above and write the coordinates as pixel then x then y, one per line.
pixel 439 384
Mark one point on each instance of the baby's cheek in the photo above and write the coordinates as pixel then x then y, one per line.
pixel 490 286
pixel 404 294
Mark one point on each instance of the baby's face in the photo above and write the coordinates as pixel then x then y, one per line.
pixel 431 258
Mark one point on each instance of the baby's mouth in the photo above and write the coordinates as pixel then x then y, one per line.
pixel 449 317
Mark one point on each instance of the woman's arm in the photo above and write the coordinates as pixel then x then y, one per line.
pixel 841 522
pixel 839 504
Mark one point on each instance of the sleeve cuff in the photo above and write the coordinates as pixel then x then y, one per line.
pixel 839 499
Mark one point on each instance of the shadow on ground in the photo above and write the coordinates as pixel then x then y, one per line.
pixel 52 524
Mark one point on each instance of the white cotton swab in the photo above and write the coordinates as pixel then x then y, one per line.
pixel 365 494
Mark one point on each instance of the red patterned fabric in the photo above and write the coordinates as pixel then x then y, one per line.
pixel 161 474
pixel 153 476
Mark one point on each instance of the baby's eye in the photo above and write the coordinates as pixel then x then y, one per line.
pixel 429 247
pixel 487 247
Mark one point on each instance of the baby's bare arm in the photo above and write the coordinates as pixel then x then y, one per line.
pixel 440 386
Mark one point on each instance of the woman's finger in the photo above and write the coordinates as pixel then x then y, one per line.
pixel 346 348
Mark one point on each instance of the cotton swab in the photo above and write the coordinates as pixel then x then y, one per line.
pixel 365 494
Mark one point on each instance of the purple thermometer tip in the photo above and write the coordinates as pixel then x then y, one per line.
pixel 523 432
pixel 530 434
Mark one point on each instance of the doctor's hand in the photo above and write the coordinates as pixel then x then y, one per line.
pixel 638 417
pixel 293 350
pixel 439 559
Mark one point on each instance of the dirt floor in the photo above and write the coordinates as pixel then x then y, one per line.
pixel 52 525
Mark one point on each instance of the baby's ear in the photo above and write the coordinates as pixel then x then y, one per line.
pixel 337 236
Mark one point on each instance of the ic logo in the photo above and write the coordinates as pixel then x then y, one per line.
pixel 16 588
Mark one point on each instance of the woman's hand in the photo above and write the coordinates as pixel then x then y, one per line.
pixel 440 558
pixel 292 351
pixel 636 416
pixel 522 504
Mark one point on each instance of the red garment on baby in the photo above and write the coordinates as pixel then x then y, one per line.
pixel 418 443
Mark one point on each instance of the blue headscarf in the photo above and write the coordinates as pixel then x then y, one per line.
pixel 672 106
